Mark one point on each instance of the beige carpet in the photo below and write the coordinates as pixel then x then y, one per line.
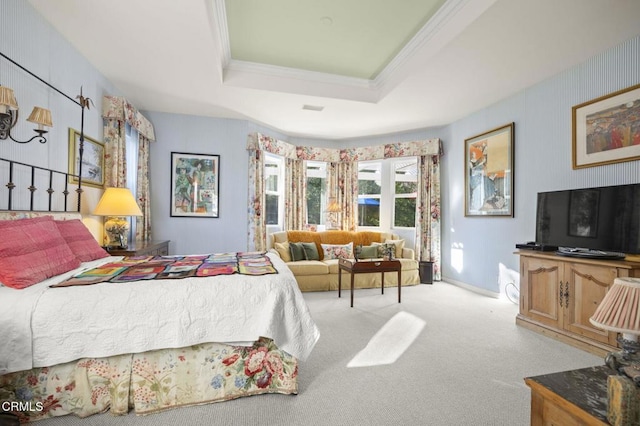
pixel 465 367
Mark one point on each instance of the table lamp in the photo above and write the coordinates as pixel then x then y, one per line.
pixel 334 210
pixel 619 311
pixel 117 204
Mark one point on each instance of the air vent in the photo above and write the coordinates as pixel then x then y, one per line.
pixel 313 107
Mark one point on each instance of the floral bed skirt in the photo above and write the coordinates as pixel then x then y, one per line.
pixel 149 382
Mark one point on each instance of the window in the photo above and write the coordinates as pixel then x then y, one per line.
pixel 131 141
pixel 274 189
pixel 316 191
pixel 369 193
pixel 405 185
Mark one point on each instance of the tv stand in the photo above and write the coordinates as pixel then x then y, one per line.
pixel 589 254
pixel 558 295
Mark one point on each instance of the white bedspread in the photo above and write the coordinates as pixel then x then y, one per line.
pixel 42 326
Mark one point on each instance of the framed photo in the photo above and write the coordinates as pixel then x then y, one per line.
pixel 584 205
pixel 488 169
pixel 92 160
pixel 195 184
pixel 607 130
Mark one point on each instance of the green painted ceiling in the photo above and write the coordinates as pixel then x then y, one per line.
pixel 352 38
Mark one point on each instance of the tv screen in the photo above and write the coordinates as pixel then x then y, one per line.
pixel 605 218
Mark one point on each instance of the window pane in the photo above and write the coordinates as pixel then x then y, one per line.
pixel 368 187
pixel 315 190
pixel 406 187
pixel 271 208
pixel 368 211
pixel 405 212
pixel 272 183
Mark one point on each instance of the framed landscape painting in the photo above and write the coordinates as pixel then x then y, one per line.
pixel 606 130
pixel 92 160
pixel 488 172
pixel 195 184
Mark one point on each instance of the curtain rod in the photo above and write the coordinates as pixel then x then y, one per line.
pixel 43 81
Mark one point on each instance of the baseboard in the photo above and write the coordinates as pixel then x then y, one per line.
pixel 472 288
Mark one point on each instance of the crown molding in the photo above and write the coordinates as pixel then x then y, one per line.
pixel 272 77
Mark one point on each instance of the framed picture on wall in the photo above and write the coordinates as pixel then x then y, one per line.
pixel 195 184
pixel 92 160
pixel 606 130
pixel 488 159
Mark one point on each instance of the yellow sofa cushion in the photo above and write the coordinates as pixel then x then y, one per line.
pixel 364 238
pixel 283 251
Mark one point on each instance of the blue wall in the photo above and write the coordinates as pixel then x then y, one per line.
pixel 542 115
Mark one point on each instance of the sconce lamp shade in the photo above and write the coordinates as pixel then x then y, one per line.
pixel 7 99
pixel 41 116
pixel 619 312
pixel 620 309
pixel 117 202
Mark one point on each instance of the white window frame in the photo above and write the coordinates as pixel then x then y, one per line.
pixel 318 169
pixel 279 172
pixel 394 175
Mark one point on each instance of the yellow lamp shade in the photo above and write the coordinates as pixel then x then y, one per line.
pixel 117 202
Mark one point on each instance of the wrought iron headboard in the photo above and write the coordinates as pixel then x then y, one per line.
pixel 15 166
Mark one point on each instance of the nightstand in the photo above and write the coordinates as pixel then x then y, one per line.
pixel 142 248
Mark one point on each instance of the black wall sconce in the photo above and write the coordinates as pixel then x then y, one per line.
pixel 9 117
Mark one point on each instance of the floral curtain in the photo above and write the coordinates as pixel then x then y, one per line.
pixel 295 200
pixel 116 111
pixel 343 186
pixel 257 232
pixel 143 223
pixel 428 212
pixel 343 181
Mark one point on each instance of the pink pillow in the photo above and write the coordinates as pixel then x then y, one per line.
pixel 80 240
pixel 32 250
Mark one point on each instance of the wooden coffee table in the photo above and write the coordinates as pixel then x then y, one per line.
pixel 368 266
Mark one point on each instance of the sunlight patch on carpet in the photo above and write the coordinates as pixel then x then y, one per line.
pixel 390 342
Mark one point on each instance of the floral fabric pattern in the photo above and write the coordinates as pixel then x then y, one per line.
pixel 337 251
pixel 152 381
pixel 343 185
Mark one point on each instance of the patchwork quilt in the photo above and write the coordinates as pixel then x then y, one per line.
pixel 137 268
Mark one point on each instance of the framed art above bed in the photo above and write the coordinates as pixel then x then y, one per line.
pixel 195 185
pixel 92 160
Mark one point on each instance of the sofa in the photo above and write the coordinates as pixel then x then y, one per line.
pixel 317 270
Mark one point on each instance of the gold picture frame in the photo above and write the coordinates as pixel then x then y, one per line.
pixel 488 178
pixel 606 130
pixel 92 160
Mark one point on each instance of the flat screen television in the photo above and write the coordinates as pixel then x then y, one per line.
pixel 591 221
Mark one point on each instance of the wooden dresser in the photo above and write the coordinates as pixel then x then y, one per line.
pixel 143 248
pixel 558 295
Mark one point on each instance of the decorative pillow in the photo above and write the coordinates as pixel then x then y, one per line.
pixel 336 251
pixel 399 246
pixel 297 252
pixel 80 240
pixel 32 250
pixel 310 251
pixel 368 252
pixel 283 250
pixel 383 248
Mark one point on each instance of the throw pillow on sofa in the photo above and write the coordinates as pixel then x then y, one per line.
pixel 337 251
pixel 384 248
pixel 297 252
pixel 399 246
pixel 368 252
pixel 283 250
pixel 310 251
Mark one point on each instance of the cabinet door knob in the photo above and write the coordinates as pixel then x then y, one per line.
pixel 561 294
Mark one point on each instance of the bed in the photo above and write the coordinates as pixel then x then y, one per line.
pixel 147 345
